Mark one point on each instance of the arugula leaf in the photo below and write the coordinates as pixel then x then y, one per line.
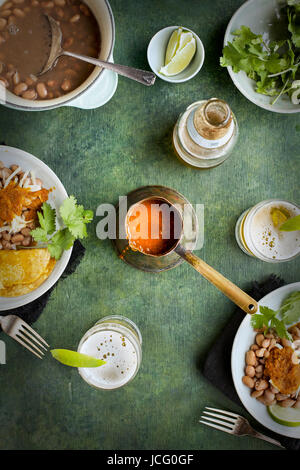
pixel 75 217
pixel 291 224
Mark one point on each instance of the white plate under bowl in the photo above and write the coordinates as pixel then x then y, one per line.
pixel 10 156
pixel 262 17
pixel 244 338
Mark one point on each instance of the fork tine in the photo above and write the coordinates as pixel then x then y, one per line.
pixel 222 411
pixel 218 421
pixel 25 325
pixel 216 427
pixel 30 343
pixel 25 332
pixel 16 338
pixel 226 418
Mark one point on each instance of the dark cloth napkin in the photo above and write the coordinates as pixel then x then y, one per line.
pixel 217 364
pixel 31 312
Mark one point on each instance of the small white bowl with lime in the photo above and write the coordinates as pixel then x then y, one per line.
pixel 175 54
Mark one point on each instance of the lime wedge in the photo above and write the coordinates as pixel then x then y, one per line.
pixel 185 37
pixel 278 217
pixel 173 45
pixel 181 59
pixel 75 359
pixel 285 416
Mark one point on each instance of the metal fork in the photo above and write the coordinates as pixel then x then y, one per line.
pixel 233 424
pixel 20 331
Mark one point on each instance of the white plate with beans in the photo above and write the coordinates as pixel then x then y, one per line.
pixel 11 156
pixel 244 339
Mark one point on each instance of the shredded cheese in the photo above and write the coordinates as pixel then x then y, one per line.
pixel 12 176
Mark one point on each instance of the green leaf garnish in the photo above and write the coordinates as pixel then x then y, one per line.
pixel 75 359
pixel 290 308
pixel 62 240
pixel 291 224
pixel 74 217
pixel 272 66
pixel 266 320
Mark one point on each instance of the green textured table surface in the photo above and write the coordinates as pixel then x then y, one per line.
pixel 100 155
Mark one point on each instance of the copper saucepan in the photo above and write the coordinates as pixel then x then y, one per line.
pixel 233 292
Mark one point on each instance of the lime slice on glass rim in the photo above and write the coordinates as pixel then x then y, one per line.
pixel 75 359
pixel 285 416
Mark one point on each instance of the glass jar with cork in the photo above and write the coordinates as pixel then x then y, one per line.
pixel 205 134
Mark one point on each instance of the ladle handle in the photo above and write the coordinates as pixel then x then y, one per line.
pixel 233 292
pixel 141 76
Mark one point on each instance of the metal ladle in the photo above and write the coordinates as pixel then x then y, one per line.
pixel 233 292
pixel 56 51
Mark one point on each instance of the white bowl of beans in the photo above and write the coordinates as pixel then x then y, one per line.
pixel 246 342
pixel 88 28
pixel 10 158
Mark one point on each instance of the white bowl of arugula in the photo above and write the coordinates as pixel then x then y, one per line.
pixel 61 222
pixel 278 312
pixel 262 53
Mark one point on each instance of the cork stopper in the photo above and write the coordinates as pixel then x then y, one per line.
pixel 213 119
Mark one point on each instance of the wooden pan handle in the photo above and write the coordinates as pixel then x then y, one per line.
pixel 233 292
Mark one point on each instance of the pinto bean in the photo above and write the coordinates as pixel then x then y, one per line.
pixel 3 23
pixel 5 13
pixel 6 236
pixel 29 94
pixel 248 381
pixel 257 393
pixel 17 239
pixel 66 84
pixel 281 397
pixel 261 384
pixel 75 18
pixel 3 81
pixel 287 403
pixel 27 241
pixel 20 88
pixel 260 352
pixel 18 13
pixel 269 395
pixel 42 90
pixel 250 371
pixel 26 231
pixel 6 245
pixel 286 342
pixel 250 358
pixel 265 343
pixel 16 78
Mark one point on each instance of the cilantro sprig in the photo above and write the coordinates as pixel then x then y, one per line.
pixel 74 217
pixel 273 66
pixel 267 319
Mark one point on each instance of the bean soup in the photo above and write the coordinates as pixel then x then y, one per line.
pixel 25 41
